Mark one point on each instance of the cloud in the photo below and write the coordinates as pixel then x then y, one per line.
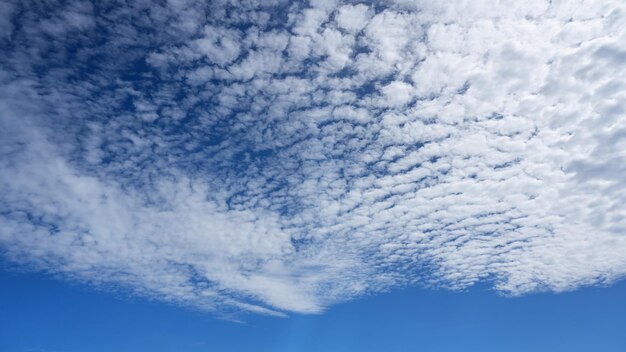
pixel 353 18
pixel 283 157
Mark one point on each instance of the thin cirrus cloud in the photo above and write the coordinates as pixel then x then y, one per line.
pixel 275 157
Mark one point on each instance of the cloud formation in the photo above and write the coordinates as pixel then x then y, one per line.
pixel 282 157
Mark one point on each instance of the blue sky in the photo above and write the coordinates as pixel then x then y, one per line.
pixel 283 161
pixel 40 314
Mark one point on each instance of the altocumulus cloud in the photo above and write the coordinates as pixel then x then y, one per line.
pixel 280 157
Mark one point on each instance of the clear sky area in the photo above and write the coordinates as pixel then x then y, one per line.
pixel 41 314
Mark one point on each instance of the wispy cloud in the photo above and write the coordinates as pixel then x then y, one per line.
pixel 276 157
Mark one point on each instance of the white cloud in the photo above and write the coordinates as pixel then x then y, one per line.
pixel 397 93
pixel 353 18
pixel 219 45
pixel 285 158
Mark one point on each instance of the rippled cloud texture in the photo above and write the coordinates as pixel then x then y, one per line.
pixel 281 157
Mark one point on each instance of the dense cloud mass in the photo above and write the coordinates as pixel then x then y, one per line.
pixel 279 157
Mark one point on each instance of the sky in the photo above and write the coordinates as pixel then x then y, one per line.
pixel 309 162
pixel 42 314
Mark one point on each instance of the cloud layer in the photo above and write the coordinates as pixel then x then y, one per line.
pixel 276 157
